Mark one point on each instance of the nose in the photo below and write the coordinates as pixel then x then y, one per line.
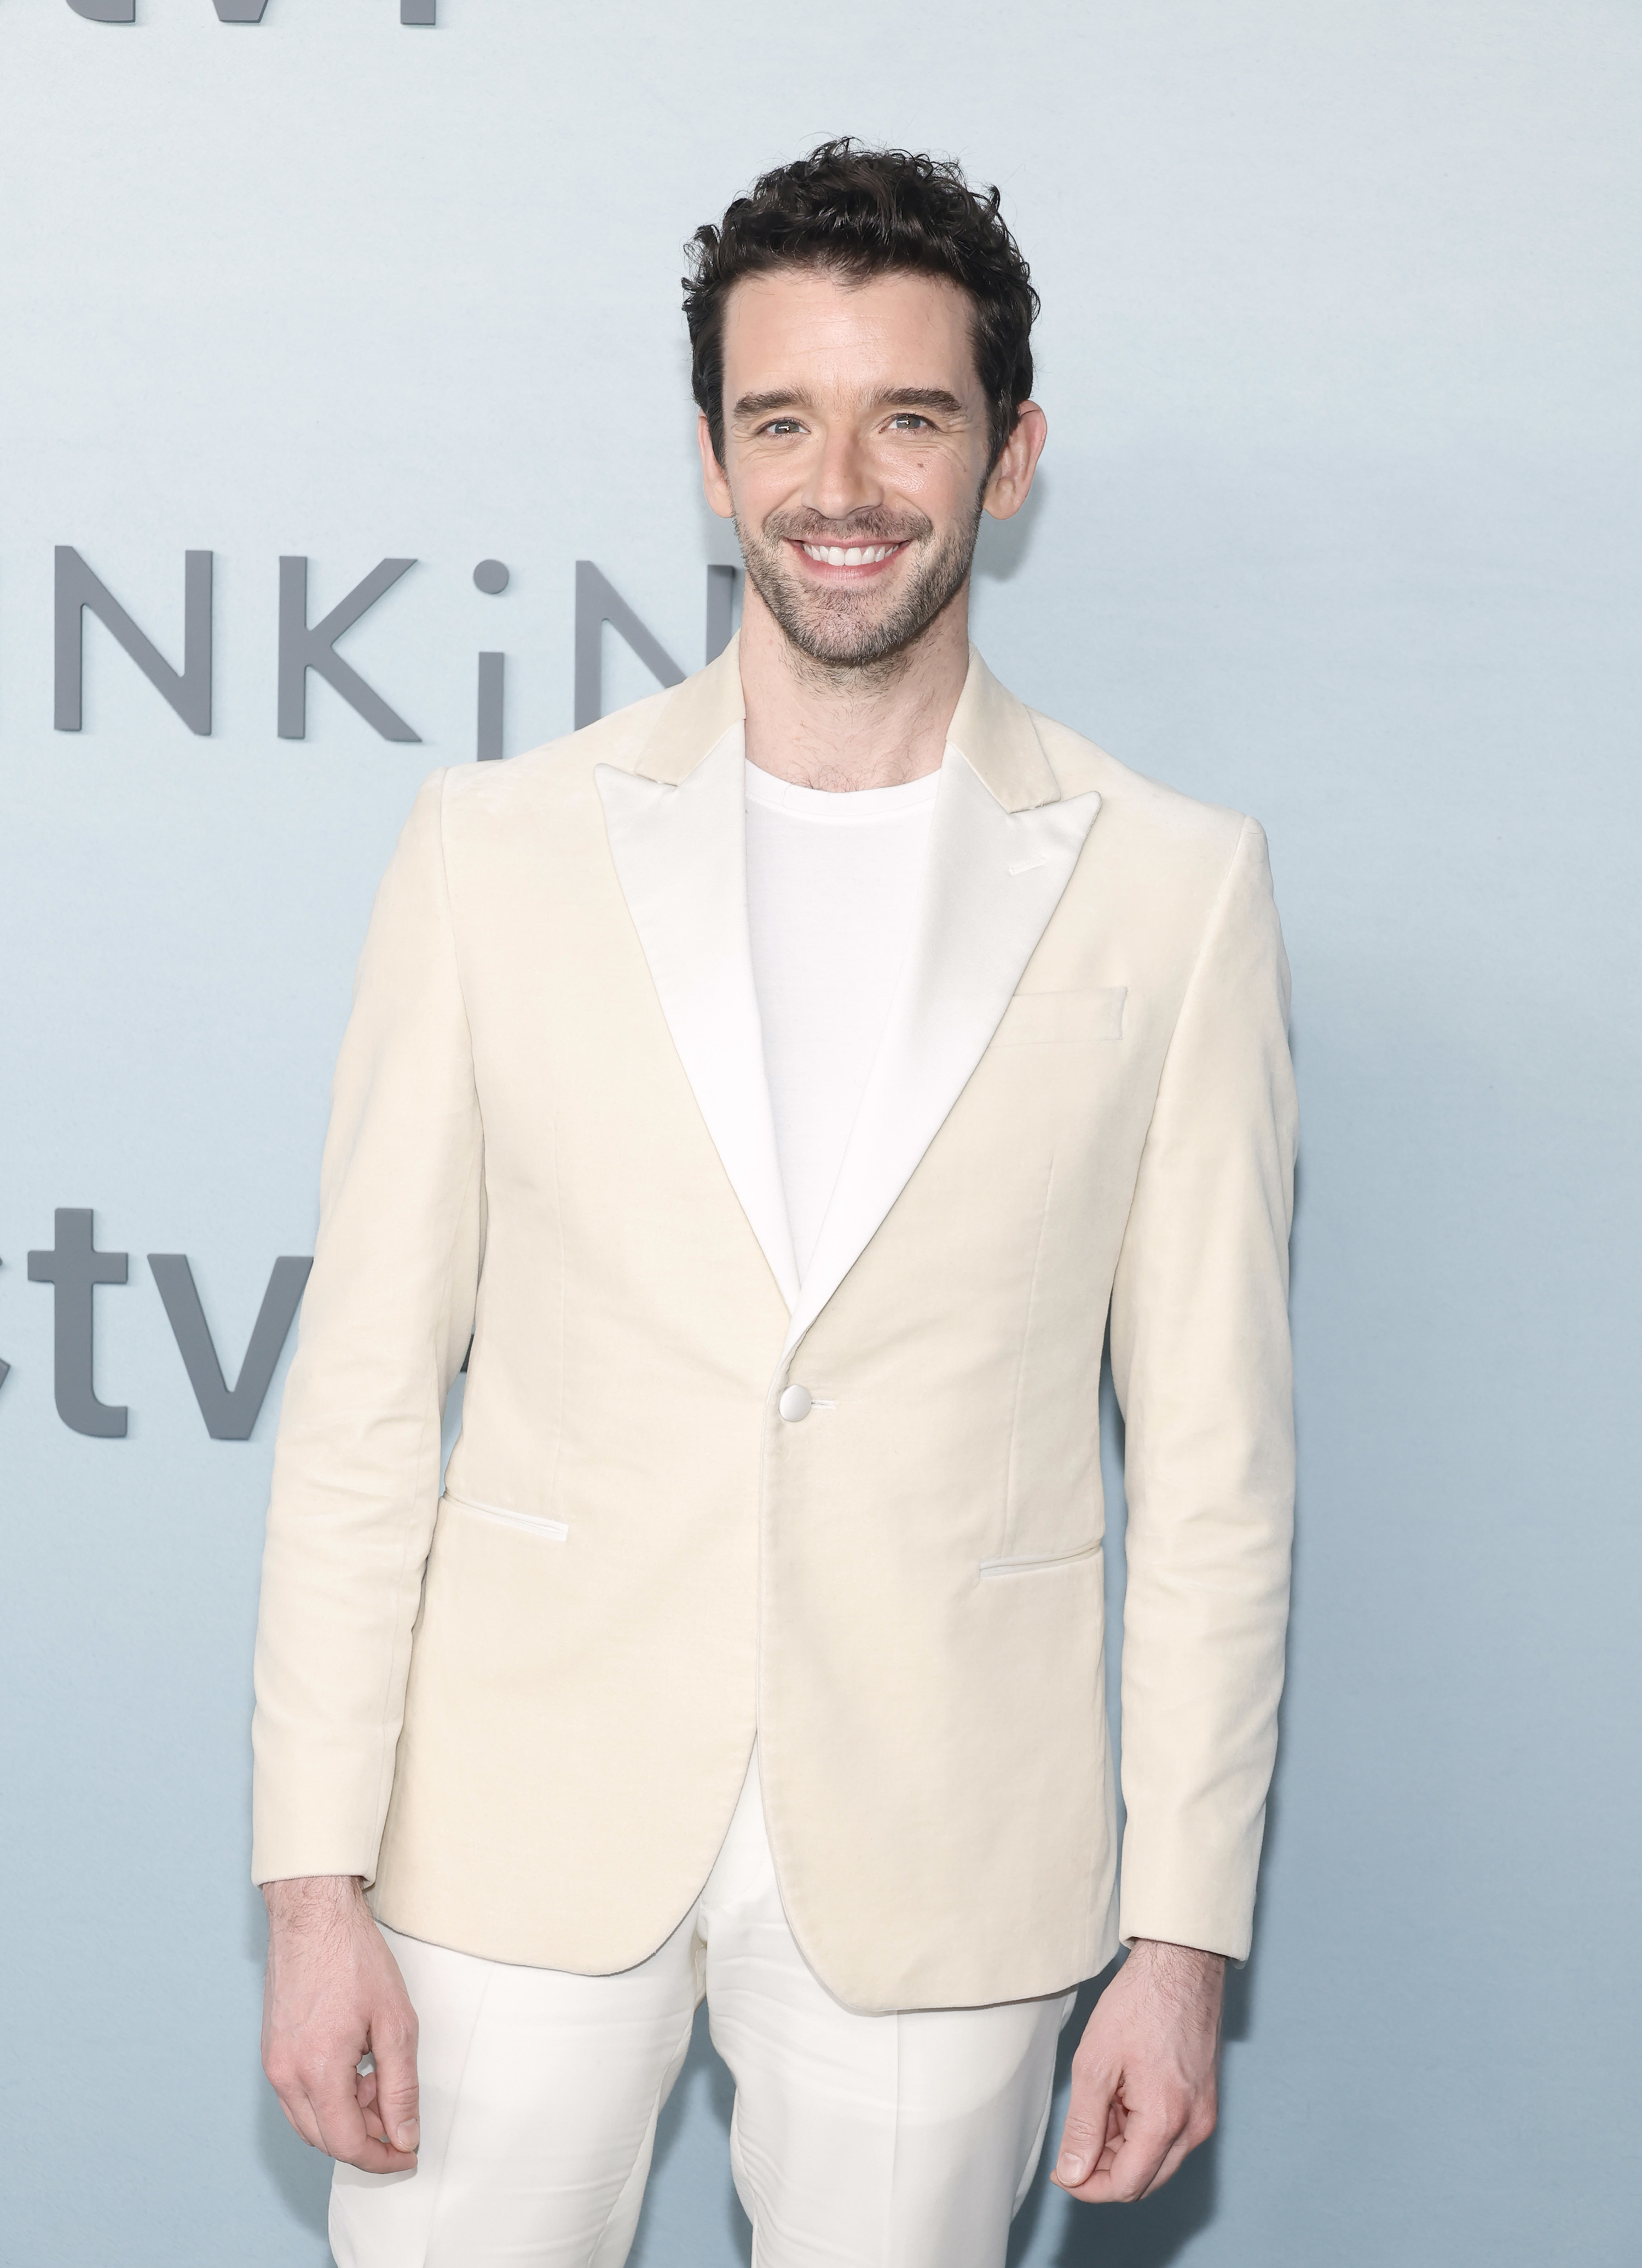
pixel 842 480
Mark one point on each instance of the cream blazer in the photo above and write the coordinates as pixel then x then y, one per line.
pixel 522 1708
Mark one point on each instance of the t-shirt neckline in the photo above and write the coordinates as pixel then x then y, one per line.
pixel 838 807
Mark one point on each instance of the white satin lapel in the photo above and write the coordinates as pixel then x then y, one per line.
pixel 679 850
pixel 992 880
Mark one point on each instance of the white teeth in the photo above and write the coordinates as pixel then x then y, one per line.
pixel 857 555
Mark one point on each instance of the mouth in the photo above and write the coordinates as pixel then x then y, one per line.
pixel 847 561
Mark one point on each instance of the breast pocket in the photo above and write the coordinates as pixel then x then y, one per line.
pixel 1042 1020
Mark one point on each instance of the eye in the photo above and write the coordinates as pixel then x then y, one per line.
pixel 780 425
pixel 909 420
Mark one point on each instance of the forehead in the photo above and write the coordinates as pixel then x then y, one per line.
pixel 810 327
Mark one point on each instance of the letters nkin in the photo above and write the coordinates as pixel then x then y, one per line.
pixel 233 11
pixel 306 645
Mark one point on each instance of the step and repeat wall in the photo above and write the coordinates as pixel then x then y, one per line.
pixel 346 430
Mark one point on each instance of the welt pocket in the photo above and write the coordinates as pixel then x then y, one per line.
pixel 1028 1565
pixel 1036 1019
pixel 552 1531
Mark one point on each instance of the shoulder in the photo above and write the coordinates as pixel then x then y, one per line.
pixel 1149 806
pixel 1178 838
pixel 480 804
pixel 557 766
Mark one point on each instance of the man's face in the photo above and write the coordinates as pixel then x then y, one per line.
pixel 855 455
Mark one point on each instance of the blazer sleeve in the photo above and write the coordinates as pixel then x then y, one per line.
pixel 385 1321
pixel 1200 1362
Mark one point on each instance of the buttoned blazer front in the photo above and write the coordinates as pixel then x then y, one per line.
pixel 521 1706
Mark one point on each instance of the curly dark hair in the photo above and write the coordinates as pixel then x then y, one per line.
pixel 869 212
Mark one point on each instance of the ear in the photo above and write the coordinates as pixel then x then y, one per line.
pixel 1011 481
pixel 715 485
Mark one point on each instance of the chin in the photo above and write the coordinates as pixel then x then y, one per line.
pixel 847 630
pixel 848 644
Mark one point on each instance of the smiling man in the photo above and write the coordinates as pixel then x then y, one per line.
pixel 776 1092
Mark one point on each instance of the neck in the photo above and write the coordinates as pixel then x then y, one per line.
pixel 818 725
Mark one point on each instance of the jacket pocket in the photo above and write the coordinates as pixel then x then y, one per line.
pixel 1038 1566
pixel 552 1531
pixel 1063 1019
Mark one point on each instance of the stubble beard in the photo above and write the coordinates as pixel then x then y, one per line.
pixel 844 629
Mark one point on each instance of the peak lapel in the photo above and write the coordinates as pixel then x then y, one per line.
pixel 677 828
pixel 1003 843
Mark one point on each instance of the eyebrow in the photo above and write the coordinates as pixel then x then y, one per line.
pixel 897 397
pixel 922 397
pixel 761 405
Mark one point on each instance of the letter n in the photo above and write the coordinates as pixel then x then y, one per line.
pixel 598 601
pixel 77 589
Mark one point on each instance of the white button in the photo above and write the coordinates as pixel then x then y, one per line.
pixel 795 1403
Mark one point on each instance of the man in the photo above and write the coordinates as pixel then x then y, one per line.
pixel 780 1083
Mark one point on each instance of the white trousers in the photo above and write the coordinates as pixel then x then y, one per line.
pixel 897 2141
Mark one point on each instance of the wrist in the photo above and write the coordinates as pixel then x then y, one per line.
pixel 1166 1954
pixel 1180 1979
pixel 313 1900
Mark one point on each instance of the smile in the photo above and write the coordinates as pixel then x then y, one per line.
pixel 833 555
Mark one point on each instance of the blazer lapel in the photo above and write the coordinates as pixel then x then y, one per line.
pixel 1003 843
pixel 677 828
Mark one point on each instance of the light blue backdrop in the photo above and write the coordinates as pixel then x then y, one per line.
pixel 1338 524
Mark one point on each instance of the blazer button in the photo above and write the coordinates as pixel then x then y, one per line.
pixel 795 1403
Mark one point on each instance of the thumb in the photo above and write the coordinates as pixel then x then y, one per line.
pixel 394 2045
pixel 1084 2136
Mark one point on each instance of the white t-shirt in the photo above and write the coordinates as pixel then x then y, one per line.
pixel 832 889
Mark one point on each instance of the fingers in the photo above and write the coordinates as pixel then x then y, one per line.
pixel 322 2104
pixel 343 2133
pixel 364 2090
pixel 328 2117
pixel 1176 2156
pixel 394 2045
pixel 1135 2167
pixel 298 2111
pixel 1093 2124
pixel 1143 2148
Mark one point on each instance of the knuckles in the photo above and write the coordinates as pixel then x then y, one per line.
pixel 289 2072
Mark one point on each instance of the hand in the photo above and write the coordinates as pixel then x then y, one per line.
pixel 1144 2078
pixel 333 1994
